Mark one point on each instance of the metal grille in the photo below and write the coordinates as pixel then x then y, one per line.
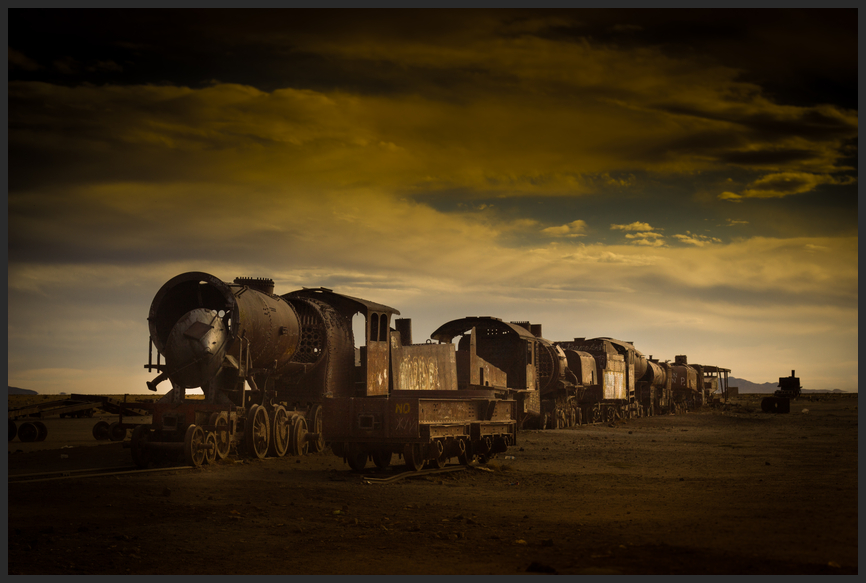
pixel 544 362
pixel 312 343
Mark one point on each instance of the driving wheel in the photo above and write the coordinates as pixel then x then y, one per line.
pixel 257 431
pixel 317 445
pixel 193 442
pixel 220 422
pixel 210 453
pixel 280 438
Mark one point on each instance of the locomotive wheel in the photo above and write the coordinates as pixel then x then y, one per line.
pixel 300 445
pixel 356 457
pixel 100 430
pixel 414 457
pixel 257 431
pixel 317 445
pixel 439 461
pixel 43 430
pixel 280 438
pixel 210 454
pixel 609 415
pixel 466 456
pixel 221 435
pixel 28 432
pixel 13 430
pixel 140 453
pixel 381 458
pixel 116 432
pixel 596 413
pixel 192 446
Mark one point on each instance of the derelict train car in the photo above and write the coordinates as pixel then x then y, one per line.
pixel 266 365
pixel 581 381
pixel 440 401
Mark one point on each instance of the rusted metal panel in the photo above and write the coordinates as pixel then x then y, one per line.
pixel 684 377
pixel 531 379
pixel 403 415
pixel 447 411
pixel 377 368
pixel 423 367
pixel 582 364
pixel 350 419
pixel 655 374
pixel 531 402
pixel 614 384
pixel 472 370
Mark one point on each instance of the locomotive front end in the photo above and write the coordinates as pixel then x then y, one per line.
pixel 202 325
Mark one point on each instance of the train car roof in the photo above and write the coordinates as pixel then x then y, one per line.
pixel 710 368
pixel 343 302
pixel 447 331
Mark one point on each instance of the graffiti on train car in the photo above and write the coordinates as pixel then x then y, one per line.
pixel 419 373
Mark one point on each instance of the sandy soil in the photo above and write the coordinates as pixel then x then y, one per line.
pixel 709 492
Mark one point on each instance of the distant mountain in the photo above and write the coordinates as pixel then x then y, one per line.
pixel 17 391
pixel 768 388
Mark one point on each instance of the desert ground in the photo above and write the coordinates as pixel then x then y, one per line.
pixel 727 490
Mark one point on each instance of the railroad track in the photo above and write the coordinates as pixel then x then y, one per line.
pixel 88 473
pixel 412 474
pixel 132 470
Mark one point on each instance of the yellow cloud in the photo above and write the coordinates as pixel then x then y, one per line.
pixel 636 226
pixel 573 229
pixel 783 184
pixel 696 240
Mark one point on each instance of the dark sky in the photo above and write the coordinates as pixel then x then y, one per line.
pixel 676 177
pixel 798 57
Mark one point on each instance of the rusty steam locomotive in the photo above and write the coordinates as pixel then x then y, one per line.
pixel 281 374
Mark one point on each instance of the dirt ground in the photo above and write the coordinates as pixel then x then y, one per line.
pixel 716 491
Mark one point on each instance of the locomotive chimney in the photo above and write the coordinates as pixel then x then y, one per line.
pixel 404 327
pixel 262 284
pixel 535 329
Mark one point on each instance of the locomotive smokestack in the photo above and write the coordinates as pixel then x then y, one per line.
pixel 262 284
pixel 404 327
pixel 535 329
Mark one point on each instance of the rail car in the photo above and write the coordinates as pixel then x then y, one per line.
pixel 440 401
pixel 586 380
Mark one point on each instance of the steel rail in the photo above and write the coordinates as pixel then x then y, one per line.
pixel 88 473
pixel 412 474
